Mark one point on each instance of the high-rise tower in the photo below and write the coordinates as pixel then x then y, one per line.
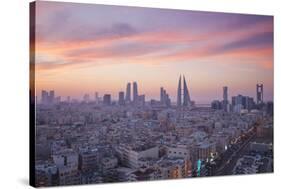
pixel 186 97
pixel 107 99
pixel 121 100
pixel 259 93
pixel 161 94
pixel 179 93
pixel 128 92
pixel 135 92
pixel 225 95
pixel 164 97
pixel 44 97
pixel 183 99
pixel 225 99
pixel 52 96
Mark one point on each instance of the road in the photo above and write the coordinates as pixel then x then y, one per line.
pixel 228 165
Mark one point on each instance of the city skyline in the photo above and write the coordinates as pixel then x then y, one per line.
pixel 181 99
pixel 103 55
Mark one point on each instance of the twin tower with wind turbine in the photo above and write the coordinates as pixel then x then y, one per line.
pixel 183 96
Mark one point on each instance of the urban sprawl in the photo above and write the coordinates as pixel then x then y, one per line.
pixel 131 139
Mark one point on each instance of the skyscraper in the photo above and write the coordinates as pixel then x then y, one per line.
pixel 179 93
pixel 161 94
pixel 259 93
pixel 242 102
pixel 52 96
pixel 186 97
pixel 44 97
pixel 225 94
pixel 47 97
pixel 164 97
pixel 141 100
pixel 135 92
pixel 225 105
pixel 121 99
pixel 128 92
pixel 107 99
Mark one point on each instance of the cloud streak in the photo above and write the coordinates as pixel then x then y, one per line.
pixel 79 38
pixel 124 42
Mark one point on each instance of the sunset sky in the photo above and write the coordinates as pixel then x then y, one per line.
pixel 84 48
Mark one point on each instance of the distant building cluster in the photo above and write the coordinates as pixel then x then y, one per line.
pixel 128 98
pixel 242 104
pixel 102 141
pixel 49 97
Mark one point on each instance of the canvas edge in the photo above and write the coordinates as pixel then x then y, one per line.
pixel 32 11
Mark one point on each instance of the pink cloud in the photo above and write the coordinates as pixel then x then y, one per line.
pixel 199 46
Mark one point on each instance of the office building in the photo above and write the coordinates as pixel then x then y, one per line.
pixel 183 99
pixel 259 94
pixel 48 97
pixel 164 97
pixel 225 94
pixel 179 101
pixel 240 102
pixel 128 92
pixel 121 99
pixel 52 97
pixel 44 97
pixel 141 100
pixel 161 94
pixel 107 99
pixel 135 92
pixel 225 104
pixel 216 105
pixel 186 97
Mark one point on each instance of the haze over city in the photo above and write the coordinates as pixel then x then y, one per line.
pixel 78 51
